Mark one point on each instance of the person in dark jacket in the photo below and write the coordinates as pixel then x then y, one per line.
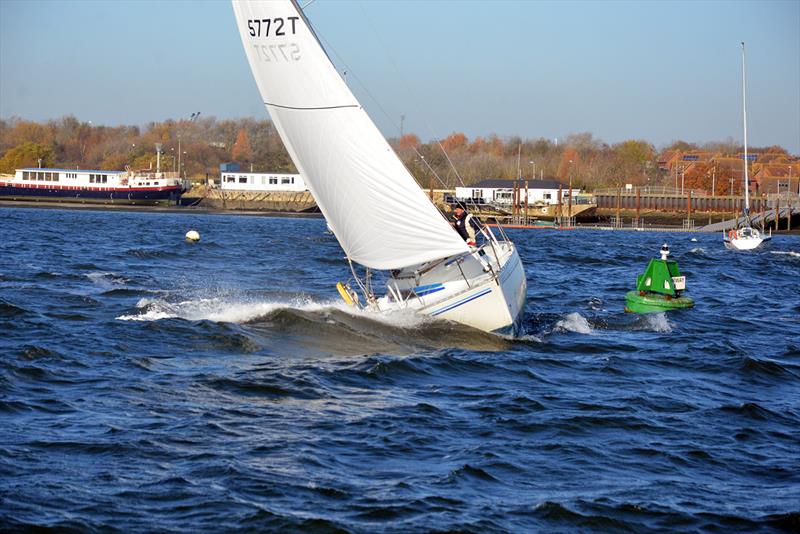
pixel 466 225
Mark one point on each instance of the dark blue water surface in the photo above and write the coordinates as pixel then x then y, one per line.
pixel 147 383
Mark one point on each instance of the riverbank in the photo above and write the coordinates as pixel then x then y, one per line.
pixel 189 210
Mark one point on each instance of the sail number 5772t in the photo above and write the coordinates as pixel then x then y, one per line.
pixel 272 27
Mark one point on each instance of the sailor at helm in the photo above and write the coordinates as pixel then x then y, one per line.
pixel 466 225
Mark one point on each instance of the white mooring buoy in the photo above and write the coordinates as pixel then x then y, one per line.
pixel 192 235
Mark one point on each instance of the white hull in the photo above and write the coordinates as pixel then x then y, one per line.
pixel 745 239
pixel 460 290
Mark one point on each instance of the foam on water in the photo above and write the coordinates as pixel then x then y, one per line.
pixel 574 322
pixel 242 309
pixel 657 322
pixel 106 280
pixel 786 253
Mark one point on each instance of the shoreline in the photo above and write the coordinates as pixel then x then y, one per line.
pixel 153 209
pixel 186 210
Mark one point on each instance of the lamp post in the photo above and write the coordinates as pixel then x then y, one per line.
pixel 533 171
pixel 158 158
pixel 714 181
pixel 569 211
pixel 193 117
pixel 683 175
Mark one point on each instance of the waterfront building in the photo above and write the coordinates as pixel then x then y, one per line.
pixel 501 192
pixel 255 181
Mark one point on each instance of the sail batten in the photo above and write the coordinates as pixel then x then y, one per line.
pixel 378 213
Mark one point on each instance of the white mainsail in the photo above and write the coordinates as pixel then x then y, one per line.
pixel 381 217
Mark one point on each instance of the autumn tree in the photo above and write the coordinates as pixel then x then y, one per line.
pixel 569 163
pixel 633 159
pixel 455 141
pixel 408 142
pixel 242 151
pixel 27 154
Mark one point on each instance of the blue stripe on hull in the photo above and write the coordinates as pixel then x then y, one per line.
pixel 78 195
pixel 459 303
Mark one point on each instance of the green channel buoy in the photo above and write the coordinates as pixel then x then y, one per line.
pixel 660 288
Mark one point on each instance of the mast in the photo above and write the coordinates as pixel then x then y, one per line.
pixel 744 116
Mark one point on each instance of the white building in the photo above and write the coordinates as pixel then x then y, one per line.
pixel 256 181
pixel 502 191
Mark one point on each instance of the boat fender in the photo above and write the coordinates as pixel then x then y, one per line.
pixel 732 235
pixel 348 295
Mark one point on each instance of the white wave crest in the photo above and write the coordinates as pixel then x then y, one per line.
pixel 106 280
pixel 214 309
pixel 697 250
pixel 574 322
pixel 241 309
pixel 786 253
pixel 657 322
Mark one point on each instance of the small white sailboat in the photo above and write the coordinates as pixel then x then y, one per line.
pixel 746 237
pixel 380 216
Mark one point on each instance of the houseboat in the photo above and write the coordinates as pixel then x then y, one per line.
pixel 77 185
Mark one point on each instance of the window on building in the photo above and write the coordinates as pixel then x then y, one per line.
pixel 273 181
pixel 26 175
pixel 285 181
pixel 263 180
pixel 91 178
pixel 243 179
pixel 476 193
pixel 548 196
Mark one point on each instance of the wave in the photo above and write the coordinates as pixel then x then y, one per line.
pixel 225 310
pixel 574 322
pixel 330 326
pixel 655 322
pixel 786 253
pixel 143 253
pixel 8 310
pixel 106 280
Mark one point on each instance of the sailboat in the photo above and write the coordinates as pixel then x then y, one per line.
pixel 380 216
pixel 746 237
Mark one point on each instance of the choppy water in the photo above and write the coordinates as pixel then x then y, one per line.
pixel 147 384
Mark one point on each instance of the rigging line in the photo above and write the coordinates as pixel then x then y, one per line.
pixel 408 90
pixel 303 7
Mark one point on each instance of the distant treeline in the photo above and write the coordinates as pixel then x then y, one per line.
pixel 207 142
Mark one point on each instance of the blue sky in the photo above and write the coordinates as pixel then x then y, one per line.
pixel 658 71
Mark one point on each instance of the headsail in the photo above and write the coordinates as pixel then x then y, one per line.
pixel 379 214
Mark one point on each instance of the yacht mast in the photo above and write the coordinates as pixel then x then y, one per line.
pixel 744 115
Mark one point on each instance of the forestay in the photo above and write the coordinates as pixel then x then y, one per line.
pixel 380 216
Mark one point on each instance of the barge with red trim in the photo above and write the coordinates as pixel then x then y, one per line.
pixel 76 185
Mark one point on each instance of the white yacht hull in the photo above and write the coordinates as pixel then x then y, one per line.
pixel 462 290
pixel 745 239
